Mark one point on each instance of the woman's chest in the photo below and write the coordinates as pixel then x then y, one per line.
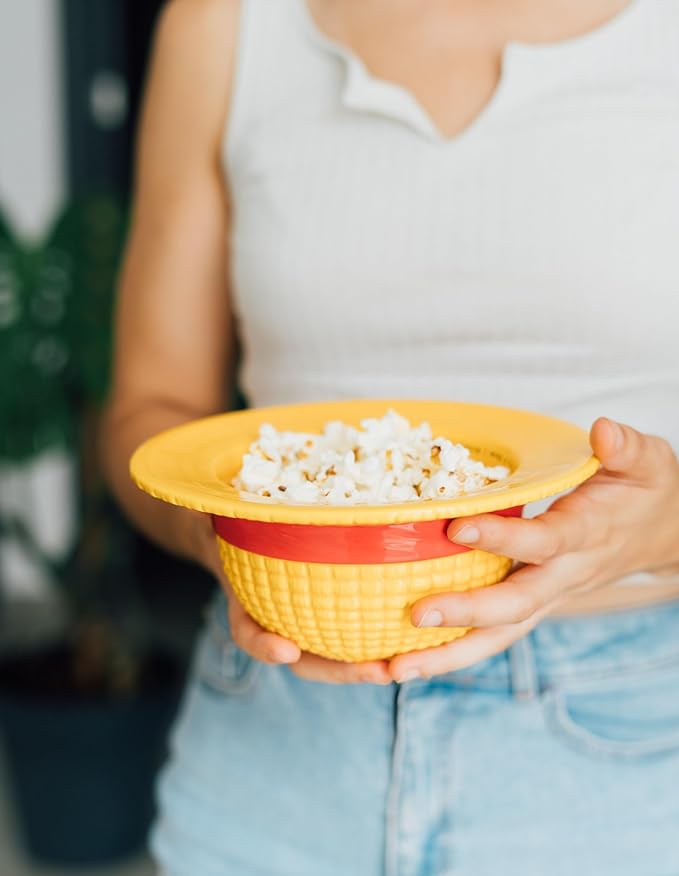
pixel 560 225
pixel 450 56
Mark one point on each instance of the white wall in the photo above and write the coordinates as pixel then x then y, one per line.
pixel 32 189
pixel 32 169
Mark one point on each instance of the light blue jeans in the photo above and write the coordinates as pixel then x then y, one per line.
pixel 559 757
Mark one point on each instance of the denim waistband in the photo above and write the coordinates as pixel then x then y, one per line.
pixel 581 647
pixel 587 646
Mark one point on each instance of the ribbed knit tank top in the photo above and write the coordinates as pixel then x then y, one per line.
pixel 531 261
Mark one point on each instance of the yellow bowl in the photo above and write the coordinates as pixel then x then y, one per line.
pixel 304 572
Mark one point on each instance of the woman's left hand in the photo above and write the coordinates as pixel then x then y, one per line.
pixel 624 519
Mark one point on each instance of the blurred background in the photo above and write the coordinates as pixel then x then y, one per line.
pixel 96 626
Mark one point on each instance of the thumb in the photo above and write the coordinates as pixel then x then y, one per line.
pixel 624 450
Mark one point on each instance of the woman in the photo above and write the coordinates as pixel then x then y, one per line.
pixel 476 201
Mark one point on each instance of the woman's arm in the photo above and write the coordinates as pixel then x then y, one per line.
pixel 174 330
pixel 174 349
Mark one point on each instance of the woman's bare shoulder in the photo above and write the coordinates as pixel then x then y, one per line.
pixel 188 93
pixel 195 47
pixel 210 21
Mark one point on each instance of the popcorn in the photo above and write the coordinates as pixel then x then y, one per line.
pixel 386 461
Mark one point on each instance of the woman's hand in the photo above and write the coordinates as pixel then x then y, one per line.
pixel 270 648
pixel 625 519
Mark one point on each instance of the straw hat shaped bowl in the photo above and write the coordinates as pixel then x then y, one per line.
pixel 340 580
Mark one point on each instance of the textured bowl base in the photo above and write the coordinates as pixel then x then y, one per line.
pixel 353 613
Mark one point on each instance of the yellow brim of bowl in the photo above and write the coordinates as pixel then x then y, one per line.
pixel 193 465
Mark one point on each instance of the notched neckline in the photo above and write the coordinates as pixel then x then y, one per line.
pixel 366 92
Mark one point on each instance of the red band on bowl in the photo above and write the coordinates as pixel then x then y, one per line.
pixel 342 545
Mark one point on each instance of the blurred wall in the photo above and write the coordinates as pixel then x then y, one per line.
pixel 32 165
pixel 32 189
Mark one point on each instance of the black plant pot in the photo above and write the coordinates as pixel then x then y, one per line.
pixel 83 772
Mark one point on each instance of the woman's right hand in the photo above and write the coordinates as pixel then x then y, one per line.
pixel 271 648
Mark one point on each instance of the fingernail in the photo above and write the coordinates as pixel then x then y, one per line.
pixel 431 618
pixel 410 675
pixel 467 535
pixel 616 432
pixel 281 655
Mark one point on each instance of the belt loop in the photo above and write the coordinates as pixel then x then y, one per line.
pixel 523 673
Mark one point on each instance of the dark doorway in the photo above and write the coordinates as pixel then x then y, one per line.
pixel 106 51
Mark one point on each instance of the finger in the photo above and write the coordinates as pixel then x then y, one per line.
pixel 515 600
pixel 314 668
pixel 624 450
pixel 472 648
pixel 533 541
pixel 259 643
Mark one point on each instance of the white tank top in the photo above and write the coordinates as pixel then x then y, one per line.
pixel 531 261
